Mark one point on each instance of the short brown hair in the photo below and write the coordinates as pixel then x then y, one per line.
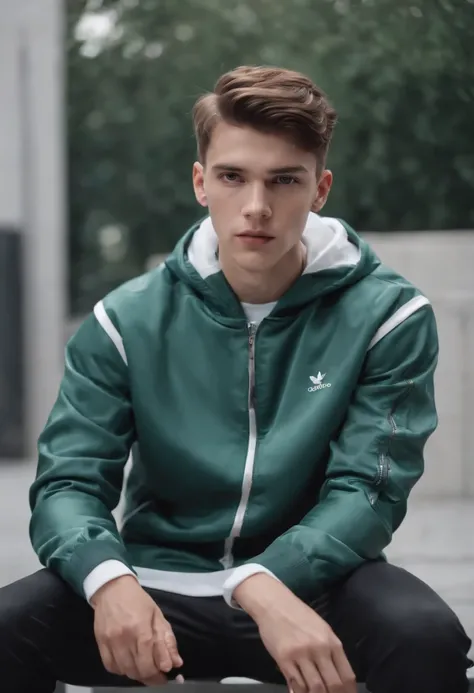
pixel 272 100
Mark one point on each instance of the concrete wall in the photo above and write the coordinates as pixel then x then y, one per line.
pixel 441 265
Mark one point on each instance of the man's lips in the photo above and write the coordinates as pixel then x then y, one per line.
pixel 255 237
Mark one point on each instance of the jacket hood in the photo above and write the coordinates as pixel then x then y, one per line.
pixel 336 258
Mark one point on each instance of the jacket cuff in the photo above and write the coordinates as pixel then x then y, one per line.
pixel 238 576
pixel 87 556
pixel 291 566
pixel 102 574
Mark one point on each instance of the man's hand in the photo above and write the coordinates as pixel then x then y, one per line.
pixel 307 651
pixel 133 636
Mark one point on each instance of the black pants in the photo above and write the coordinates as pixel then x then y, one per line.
pixel 397 633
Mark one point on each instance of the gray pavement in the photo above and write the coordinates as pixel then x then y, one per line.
pixel 436 541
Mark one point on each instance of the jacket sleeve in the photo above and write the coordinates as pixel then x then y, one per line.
pixel 373 464
pixel 83 450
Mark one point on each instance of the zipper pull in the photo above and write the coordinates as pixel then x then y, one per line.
pixel 252 328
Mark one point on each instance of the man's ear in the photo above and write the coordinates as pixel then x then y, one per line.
pixel 324 187
pixel 198 184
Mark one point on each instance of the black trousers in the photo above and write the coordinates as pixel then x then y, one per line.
pixel 397 633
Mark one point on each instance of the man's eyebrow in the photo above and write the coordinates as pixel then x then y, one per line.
pixel 272 171
pixel 228 167
pixel 289 169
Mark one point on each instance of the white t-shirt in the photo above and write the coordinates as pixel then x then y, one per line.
pixel 256 312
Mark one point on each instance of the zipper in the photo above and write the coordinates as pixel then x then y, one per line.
pixel 383 471
pixel 227 560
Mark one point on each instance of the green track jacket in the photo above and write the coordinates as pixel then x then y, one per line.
pixel 292 447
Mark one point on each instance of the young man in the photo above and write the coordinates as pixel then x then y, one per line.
pixel 276 382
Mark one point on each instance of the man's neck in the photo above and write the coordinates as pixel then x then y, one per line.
pixel 264 287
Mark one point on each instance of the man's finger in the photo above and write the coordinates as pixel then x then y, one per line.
pixel 156 680
pixel 172 646
pixel 125 662
pixel 329 674
pixel 344 669
pixel 145 661
pixel 294 679
pixel 312 677
pixel 161 655
pixel 107 658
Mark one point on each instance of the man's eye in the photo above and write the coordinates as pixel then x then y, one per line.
pixel 286 180
pixel 230 177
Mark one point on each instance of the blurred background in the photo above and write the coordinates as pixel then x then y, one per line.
pixel 96 150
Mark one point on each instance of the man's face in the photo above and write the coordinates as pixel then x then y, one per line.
pixel 259 189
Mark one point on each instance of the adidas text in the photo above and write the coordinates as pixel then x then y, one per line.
pixel 319 387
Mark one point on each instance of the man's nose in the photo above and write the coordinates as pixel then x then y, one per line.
pixel 257 204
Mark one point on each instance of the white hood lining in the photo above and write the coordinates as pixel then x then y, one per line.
pixel 324 237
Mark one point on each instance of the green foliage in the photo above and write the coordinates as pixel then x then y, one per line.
pixel 400 75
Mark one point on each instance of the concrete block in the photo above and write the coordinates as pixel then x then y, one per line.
pixel 437 262
pixel 435 531
pixel 445 453
pixel 468 410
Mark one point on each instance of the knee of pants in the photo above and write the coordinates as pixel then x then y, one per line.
pixel 13 612
pixel 427 629
pixel 13 617
pixel 25 604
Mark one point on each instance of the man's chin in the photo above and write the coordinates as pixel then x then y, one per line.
pixel 255 262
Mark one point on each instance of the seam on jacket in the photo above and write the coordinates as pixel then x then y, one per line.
pixel 109 328
pixel 382 475
pixel 398 317
pixel 126 518
pixel 80 540
pixel 392 282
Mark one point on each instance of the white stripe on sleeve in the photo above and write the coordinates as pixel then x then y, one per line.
pixel 398 317
pixel 108 326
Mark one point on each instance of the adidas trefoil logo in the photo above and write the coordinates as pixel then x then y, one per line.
pixel 317 381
